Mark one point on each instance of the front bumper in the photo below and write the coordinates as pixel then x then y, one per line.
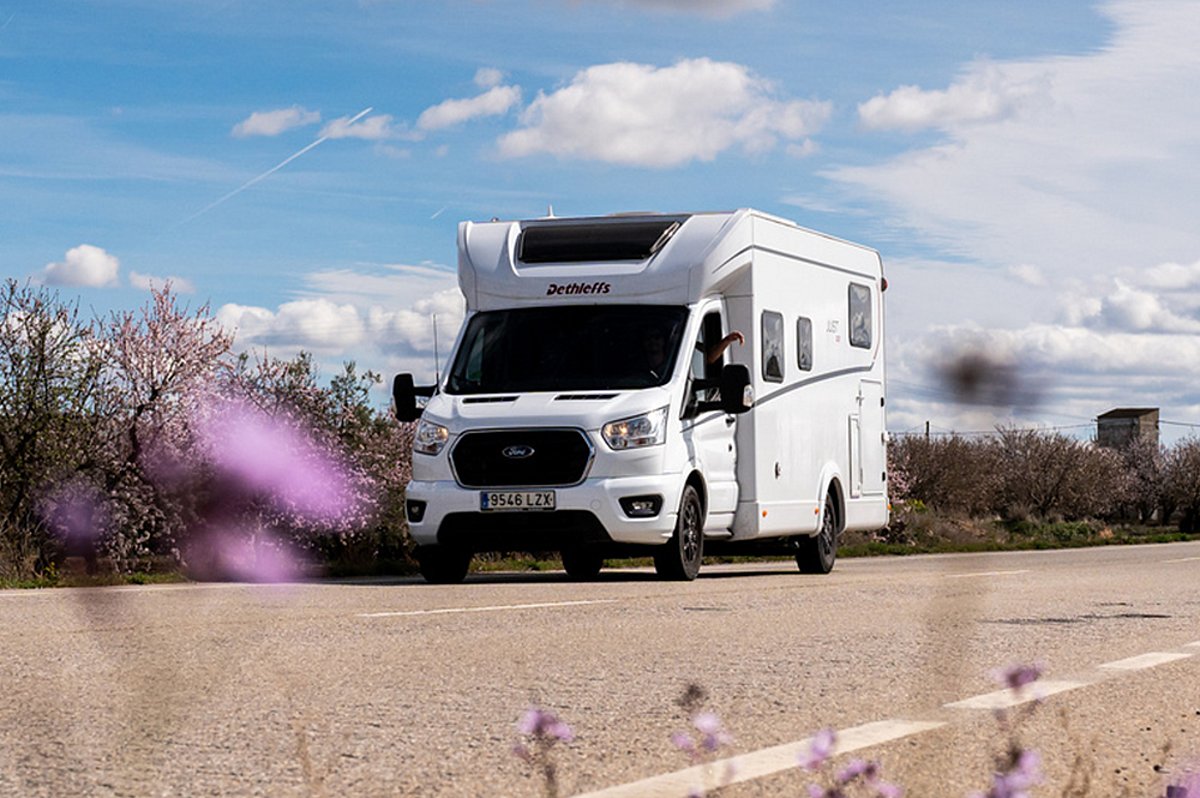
pixel 588 513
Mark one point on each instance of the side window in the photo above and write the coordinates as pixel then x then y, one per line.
pixel 710 336
pixel 804 344
pixel 772 346
pixel 860 316
pixel 701 369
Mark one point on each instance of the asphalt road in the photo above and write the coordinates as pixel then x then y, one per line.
pixel 400 688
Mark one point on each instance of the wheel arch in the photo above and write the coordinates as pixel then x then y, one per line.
pixel 831 485
pixel 696 480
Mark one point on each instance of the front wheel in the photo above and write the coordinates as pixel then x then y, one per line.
pixel 443 565
pixel 680 558
pixel 582 564
pixel 817 553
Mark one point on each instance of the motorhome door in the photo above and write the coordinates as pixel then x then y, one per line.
pixel 710 434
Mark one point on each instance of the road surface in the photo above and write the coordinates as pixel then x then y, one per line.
pixel 400 688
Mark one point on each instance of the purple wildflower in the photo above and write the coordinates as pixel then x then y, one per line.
pixel 712 733
pixel 1018 676
pixel 275 458
pixel 856 769
pixel 545 725
pixel 885 789
pixel 1185 785
pixel 819 750
pixel 1025 773
pixel 683 741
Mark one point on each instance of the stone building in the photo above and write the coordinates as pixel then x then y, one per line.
pixel 1118 427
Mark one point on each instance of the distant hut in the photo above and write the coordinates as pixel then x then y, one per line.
pixel 1120 427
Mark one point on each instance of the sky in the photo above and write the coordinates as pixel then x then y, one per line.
pixel 1026 169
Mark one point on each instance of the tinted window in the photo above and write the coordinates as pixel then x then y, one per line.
pixel 860 316
pixel 772 346
pixel 567 348
pixel 804 343
pixel 579 242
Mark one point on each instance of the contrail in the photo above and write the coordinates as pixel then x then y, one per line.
pixel 10 19
pixel 269 172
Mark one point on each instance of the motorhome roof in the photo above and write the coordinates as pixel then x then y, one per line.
pixel 645 257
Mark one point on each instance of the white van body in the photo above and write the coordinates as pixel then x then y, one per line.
pixel 810 455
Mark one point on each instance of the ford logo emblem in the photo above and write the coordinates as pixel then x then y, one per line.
pixel 518 452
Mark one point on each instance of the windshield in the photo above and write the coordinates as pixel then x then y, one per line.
pixel 568 348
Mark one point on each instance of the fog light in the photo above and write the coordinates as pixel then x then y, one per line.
pixel 414 510
pixel 642 506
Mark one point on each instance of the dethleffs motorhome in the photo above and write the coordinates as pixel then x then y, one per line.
pixel 589 406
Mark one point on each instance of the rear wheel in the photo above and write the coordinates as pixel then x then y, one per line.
pixel 680 558
pixel 442 565
pixel 817 553
pixel 582 564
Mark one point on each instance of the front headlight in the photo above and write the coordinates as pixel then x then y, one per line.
pixel 429 437
pixel 648 429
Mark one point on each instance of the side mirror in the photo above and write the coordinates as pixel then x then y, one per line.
pixel 404 397
pixel 737 396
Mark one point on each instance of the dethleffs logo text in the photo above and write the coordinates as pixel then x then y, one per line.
pixel 577 288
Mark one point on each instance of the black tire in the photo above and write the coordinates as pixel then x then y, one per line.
pixel 816 553
pixel 443 566
pixel 582 564
pixel 680 558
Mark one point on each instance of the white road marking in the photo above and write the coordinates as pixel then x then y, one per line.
pixel 757 764
pixel 1183 559
pixel 1192 645
pixel 986 573
pixel 493 608
pixel 1143 661
pixel 1003 699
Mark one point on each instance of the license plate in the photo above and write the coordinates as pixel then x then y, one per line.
pixel 516 500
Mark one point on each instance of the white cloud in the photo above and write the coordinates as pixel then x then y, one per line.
pixel 494 102
pixel 391 285
pixel 149 282
pixel 712 8
pixel 373 128
pixel 1135 308
pixel 382 318
pixel 488 77
pixel 804 149
pixel 272 123
pixel 1172 276
pixel 1028 274
pixel 1068 353
pixel 84 265
pixel 986 94
pixel 640 115
pixel 1096 176
pixel 412 330
pixel 313 324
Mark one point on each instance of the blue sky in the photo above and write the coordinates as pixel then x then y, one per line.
pixel 1027 169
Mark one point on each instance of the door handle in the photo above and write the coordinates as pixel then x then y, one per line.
pixel 729 420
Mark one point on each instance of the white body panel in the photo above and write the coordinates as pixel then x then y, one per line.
pixel 763 474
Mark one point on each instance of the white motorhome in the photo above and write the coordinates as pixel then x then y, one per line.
pixel 589 406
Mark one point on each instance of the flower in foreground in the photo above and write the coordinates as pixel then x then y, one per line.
pixel 1019 676
pixel 546 729
pixel 819 750
pixel 712 736
pixel 1024 773
pixel 543 724
pixel 1185 785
